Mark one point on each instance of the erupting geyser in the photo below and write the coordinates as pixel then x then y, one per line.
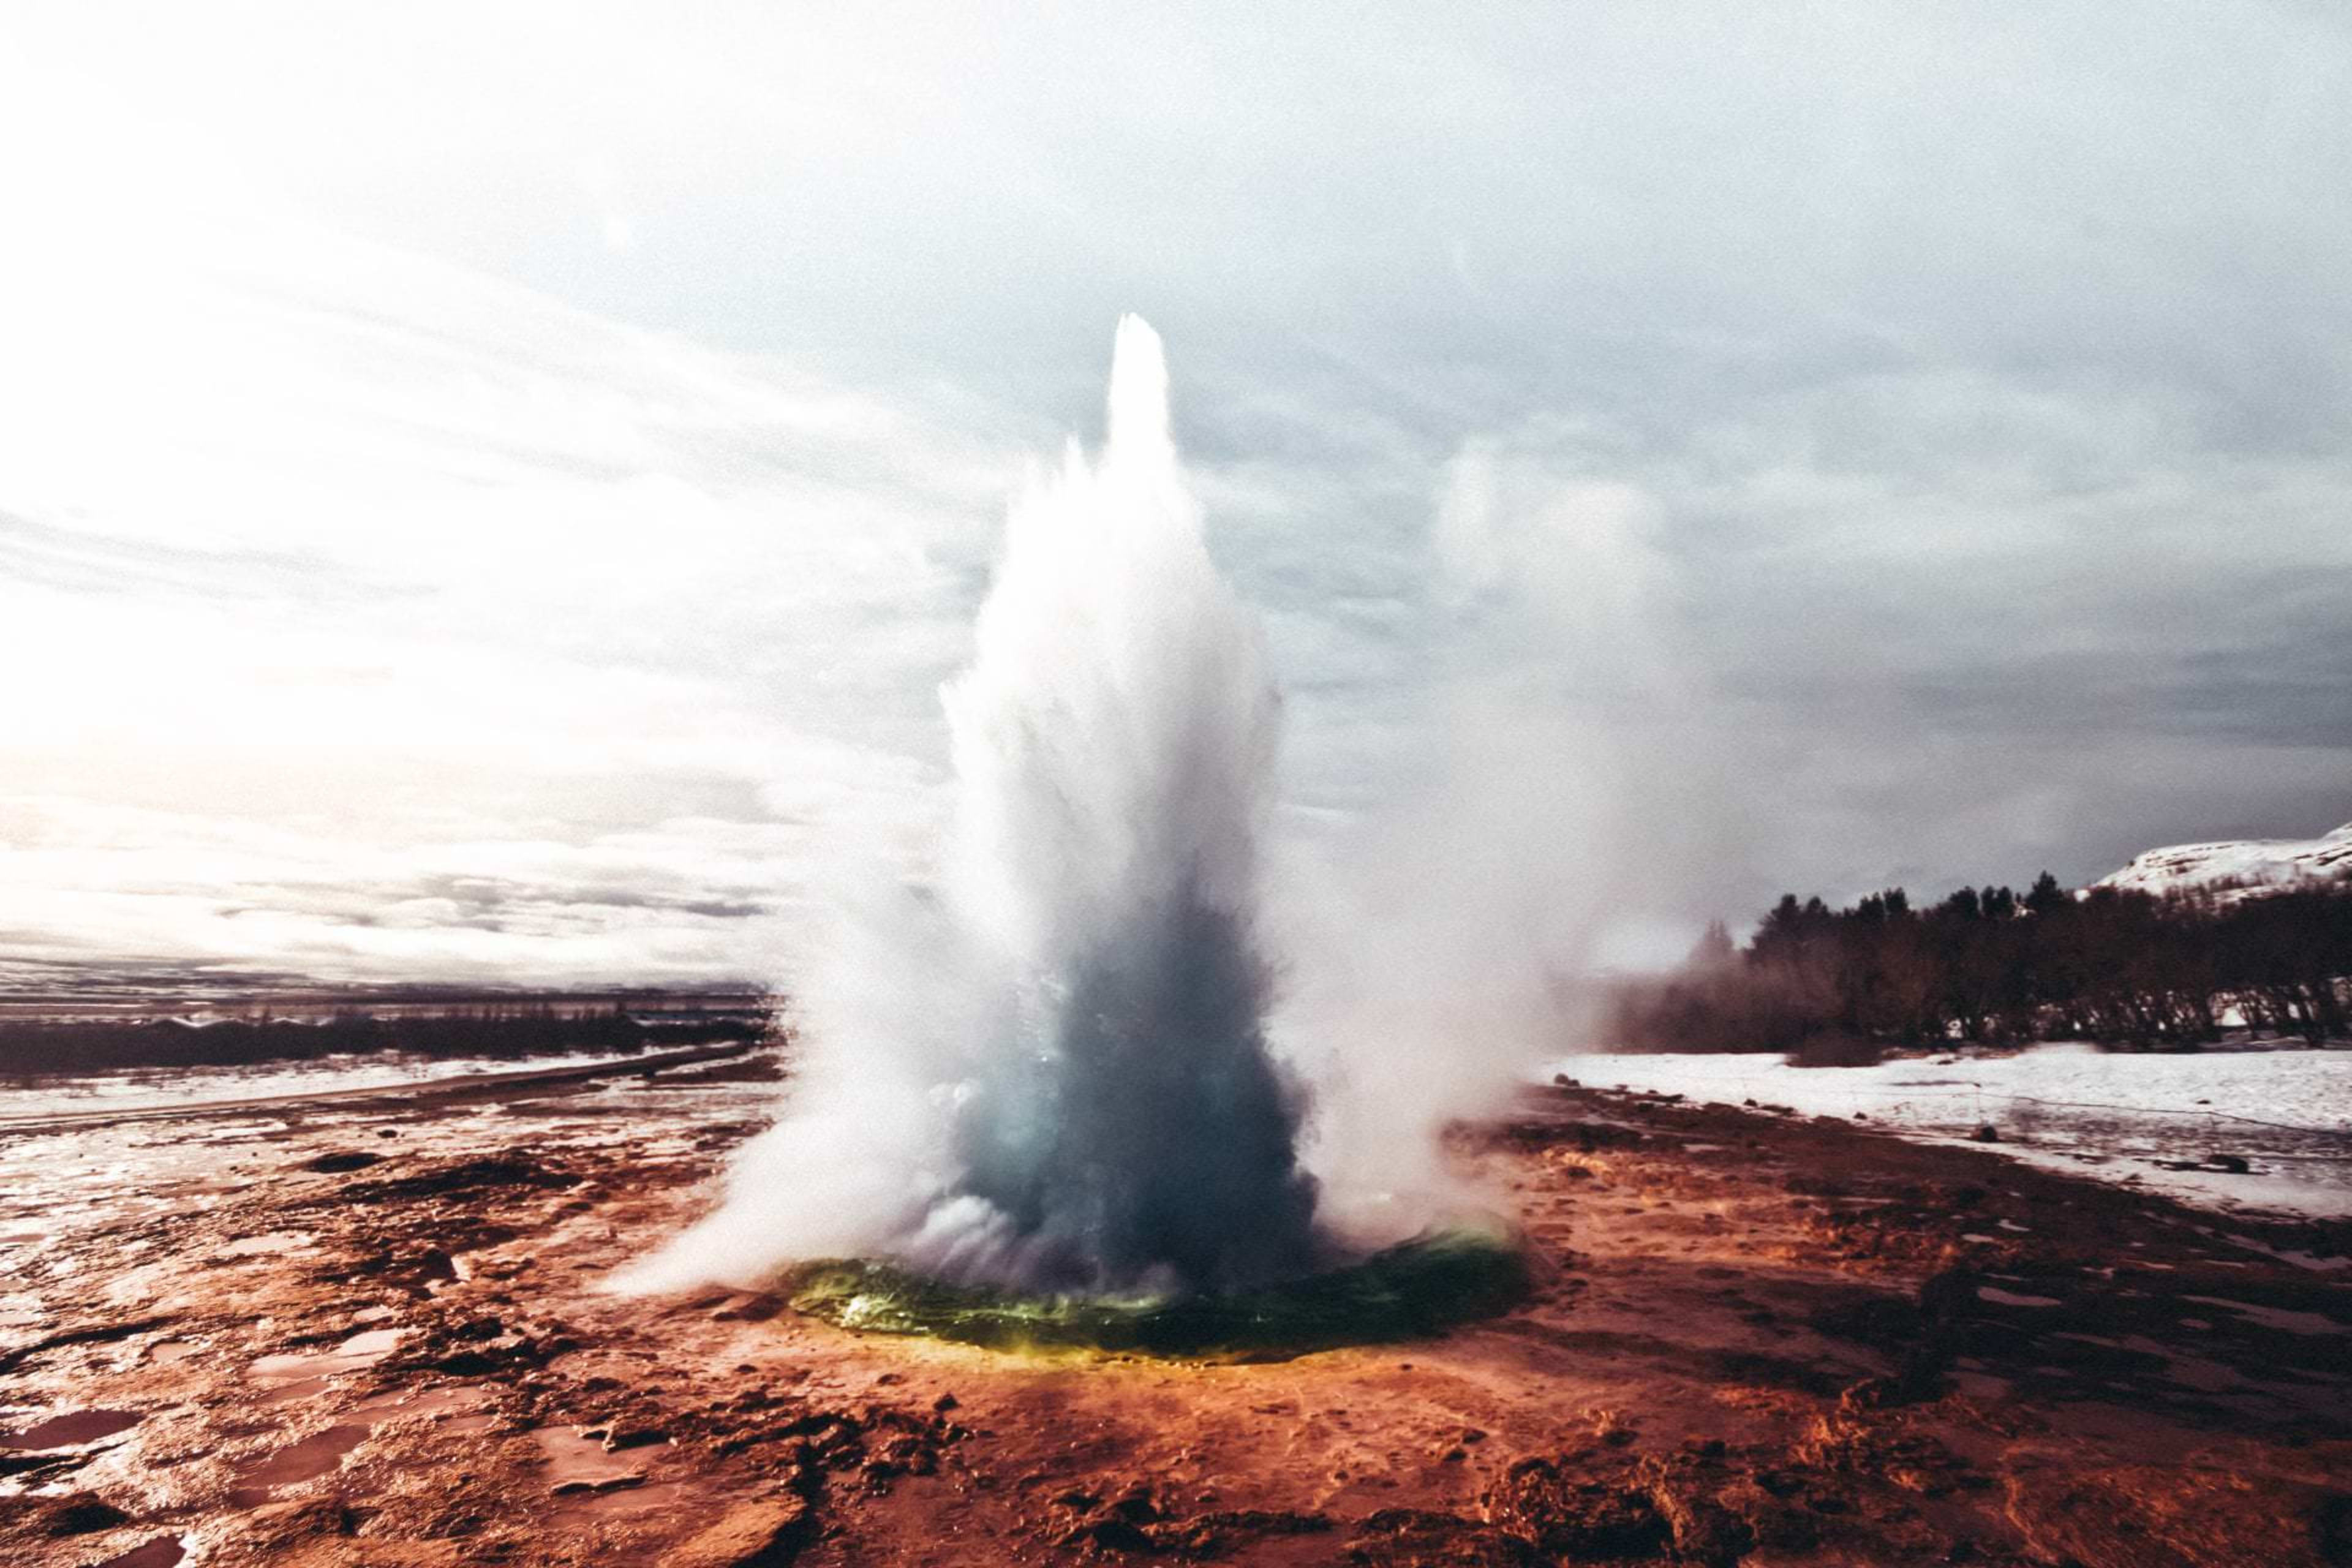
pixel 1051 1073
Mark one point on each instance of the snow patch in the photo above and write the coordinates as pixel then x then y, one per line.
pixel 2124 1117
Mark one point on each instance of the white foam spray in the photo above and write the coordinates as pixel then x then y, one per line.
pixel 1050 1071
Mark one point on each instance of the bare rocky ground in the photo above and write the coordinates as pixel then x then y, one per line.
pixel 374 1334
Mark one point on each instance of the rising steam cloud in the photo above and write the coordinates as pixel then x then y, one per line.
pixel 1052 1072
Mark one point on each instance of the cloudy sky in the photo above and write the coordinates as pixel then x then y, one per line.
pixel 491 490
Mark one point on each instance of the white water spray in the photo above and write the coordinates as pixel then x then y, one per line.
pixel 1052 1072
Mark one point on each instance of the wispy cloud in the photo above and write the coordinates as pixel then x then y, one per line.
pixel 1973 388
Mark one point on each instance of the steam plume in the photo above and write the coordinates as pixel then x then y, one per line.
pixel 1052 1072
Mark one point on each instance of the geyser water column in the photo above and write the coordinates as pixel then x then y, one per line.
pixel 1051 1074
pixel 1113 744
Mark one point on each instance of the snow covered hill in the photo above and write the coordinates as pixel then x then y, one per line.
pixel 2246 862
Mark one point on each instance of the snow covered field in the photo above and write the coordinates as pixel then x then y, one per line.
pixel 2125 1117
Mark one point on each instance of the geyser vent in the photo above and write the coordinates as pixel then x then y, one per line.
pixel 1418 1287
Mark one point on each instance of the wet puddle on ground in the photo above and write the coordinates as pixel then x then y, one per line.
pixel 2197 1373
pixel 1994 1293
pixel 70 1429
pixel 1981 1386
pixel 578 1464
pixel 359 1352
pixel 464 1407
pixel 579 1509
pixel 323 1452
pixel 272 1244
pixel 2281 1318
pixel 305 1460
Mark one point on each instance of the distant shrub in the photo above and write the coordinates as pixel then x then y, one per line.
pixel 35 1048
pixel 1836 1048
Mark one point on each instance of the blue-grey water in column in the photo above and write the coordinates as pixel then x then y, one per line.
pixel 1044 1066
pixel 1114 746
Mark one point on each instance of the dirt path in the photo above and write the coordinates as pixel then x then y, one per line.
pixel 377 1337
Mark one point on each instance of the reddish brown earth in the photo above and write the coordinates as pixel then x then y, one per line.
pixel 374 1335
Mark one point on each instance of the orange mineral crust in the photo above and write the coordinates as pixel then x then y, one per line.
pixel 377 1333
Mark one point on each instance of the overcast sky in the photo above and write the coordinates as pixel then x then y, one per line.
pixel 490 491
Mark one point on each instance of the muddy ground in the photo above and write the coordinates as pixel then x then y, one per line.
pixel 372 1333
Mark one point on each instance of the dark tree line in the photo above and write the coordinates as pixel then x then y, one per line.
pixel 1990 965
pixel 40 1047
